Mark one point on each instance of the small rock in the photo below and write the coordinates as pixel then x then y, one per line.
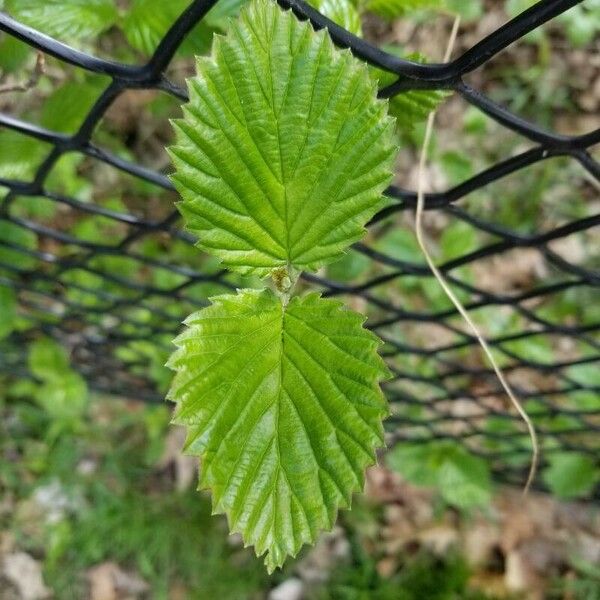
pixel 520 575
pixel 54 502
pixel 480 540
pixel 109 582
pixel 290 589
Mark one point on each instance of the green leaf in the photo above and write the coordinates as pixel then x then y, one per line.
pixel 457 166
pixel 219 15
pixel 571 474
pixel 13 236
pixel 147 21
pixel 13 54
pixel 284 151
pixel 417 463
pixel 350 266
pixel 408 108
pixel 65 109
pixel 391 9
pixel 20 155
pixel 401 244
pixel 8 311
pixel 461 478
pixel 469 10
pixel 464 480
pixel 342 12
pixel 47 360
pixel 458 238
pixel 515 8
pixel 283 407
pixel 64 396
pixel 66 19
pixel 585 374
pixel 581 23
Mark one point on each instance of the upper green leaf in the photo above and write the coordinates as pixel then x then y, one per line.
pixel 284 151
pixel 283 406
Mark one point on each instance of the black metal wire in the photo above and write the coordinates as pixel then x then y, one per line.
pixel 448 398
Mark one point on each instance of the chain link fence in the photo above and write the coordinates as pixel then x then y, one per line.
pixel 118 323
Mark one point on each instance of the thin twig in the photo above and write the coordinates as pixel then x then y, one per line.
pixel 448 290
pixel 38 70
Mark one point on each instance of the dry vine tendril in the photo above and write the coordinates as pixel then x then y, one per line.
pixel 281 159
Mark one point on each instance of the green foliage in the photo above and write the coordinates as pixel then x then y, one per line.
pixel 67 19
pixel 65 109
pixel 571 474
pixel 456 166
pixel 351 266
pixel 62 392
pixel 283 407
pixel 17 241
pixel 469 10
pixel 392 9
pixel 13 53
pixel 408 108
pixel 147 21
pixel 47 359
pixel 458 239
pixel 421 577
pixel 218 16
pixel 284 165
pixel 143 24
pixel 584 586
pixel 582 23
pixel 342 12
pixel 8 311
pixel 114 500
pixel 162 535
pixel 19 155
pixel 462 479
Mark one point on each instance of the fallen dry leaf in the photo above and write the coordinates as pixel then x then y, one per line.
pixel 185 467
pixel 108 581
pixel 25 574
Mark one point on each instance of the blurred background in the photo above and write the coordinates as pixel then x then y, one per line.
pixel 96 500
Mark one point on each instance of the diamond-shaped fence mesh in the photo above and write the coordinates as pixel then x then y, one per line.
pixel 113 281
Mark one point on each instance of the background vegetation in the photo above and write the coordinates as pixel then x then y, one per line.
pixel 87 480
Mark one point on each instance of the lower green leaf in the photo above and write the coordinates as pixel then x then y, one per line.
pixel 283 406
